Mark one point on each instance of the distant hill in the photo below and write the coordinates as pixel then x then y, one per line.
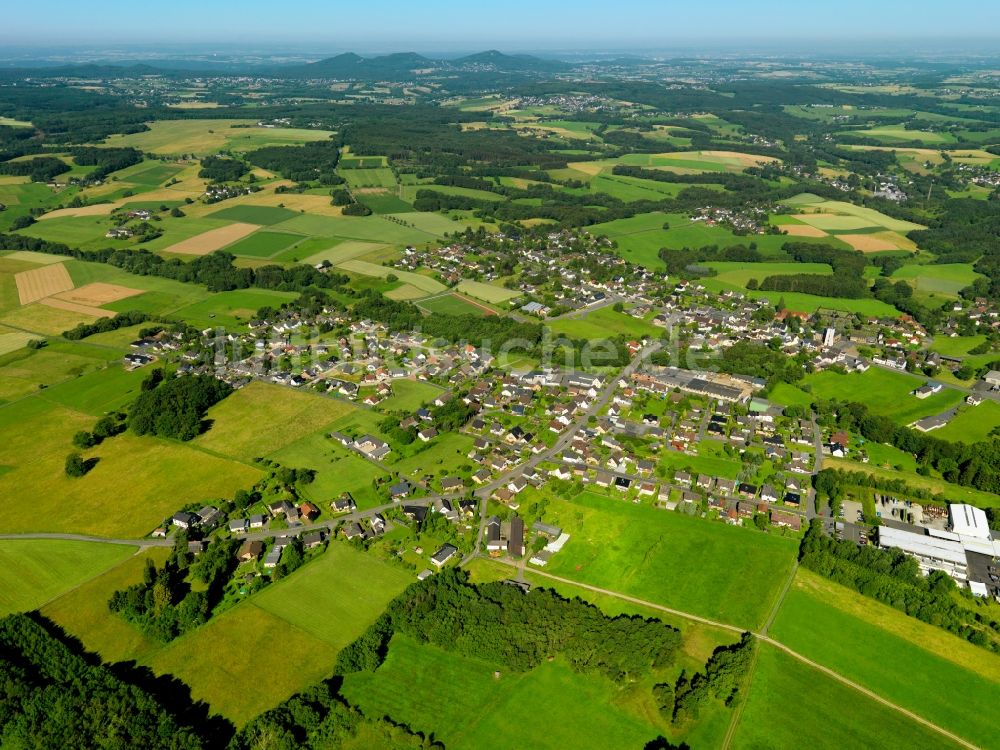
pixel 514 63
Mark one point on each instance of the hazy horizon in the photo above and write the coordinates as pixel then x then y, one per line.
pixel 448 26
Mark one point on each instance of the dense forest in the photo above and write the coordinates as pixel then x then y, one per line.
pixel 51 697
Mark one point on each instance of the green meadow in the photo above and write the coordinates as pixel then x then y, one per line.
pixel 911 663
pixel 464 705
pixel 718 571
pixel 790 704
pixel 33 571
pixel 884 392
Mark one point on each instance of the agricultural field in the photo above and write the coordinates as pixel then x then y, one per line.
pixel 264 244
pixel 212 240
pixel 909 662
pixel 204 137
pixel 787 696
pixel 34 571
pixel 262 418
pixel 671 559
pixel 248 214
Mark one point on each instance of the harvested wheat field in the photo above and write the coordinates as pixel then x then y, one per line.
pixel 97 294
pixel 802 230
pixel 747 160
pixel 212 240
pixel 61 304
pixel 42 282
pixel 98 209
pixel 867 243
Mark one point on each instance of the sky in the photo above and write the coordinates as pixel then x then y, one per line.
pixel 510 25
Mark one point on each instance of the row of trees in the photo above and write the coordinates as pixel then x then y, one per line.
pixel 894 578
pixel 974 465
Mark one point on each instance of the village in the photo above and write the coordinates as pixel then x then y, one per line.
pixel 642 434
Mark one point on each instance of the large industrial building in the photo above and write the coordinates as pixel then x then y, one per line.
pixel 968 551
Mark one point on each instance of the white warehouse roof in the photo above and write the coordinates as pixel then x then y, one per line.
pixel 969 521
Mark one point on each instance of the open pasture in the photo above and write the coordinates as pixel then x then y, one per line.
pixel 379 177
pixel 231 308
pixel 459 699
pixel 945 278
pixel 36 436
pixel 262 418
pixel 314 612
pixel 884 392
pixel 42 282
pixel 212 240
pixel 790 704
pixel 337 469
pixel 48 320
pixel 33 571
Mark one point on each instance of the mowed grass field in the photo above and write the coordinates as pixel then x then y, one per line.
pixel 884 392
pixel 262 418
pixel 454 304
pixel 722 572
pixel 33 571
pixel 791 704
pixel 971 424
pixel 459 700
pixel 911 663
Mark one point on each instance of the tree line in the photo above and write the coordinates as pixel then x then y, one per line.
pixel 893 577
